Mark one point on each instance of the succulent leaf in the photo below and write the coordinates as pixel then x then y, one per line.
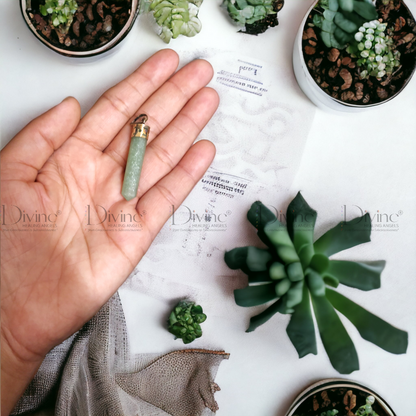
pixel 255 295
pixel 365 10
pixel 345 235
pixel 301 219
pixel 259 216
pixel 364 276
pixel 301 329
pixel 370 327
pixel 259 277
pixel 263 317
pixel 338 344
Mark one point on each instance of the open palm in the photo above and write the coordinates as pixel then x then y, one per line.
pixel 57 275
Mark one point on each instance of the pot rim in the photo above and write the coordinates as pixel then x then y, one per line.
pixel 84 54
pixel 325 384
pixel 310 78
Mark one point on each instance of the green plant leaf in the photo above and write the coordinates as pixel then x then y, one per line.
pixel 328 26
pixel 345 235
pixel 248 259
pixel 315 283
pixel 364 276
pixel 301 329
pixel 295 294
pixel 338 344
pixel 301 220
pixel 347 5
pixel 371 327
pixel 259 277
pixel 366 10
pixel 263 317
pixel 319 263
pixel 333 5
pixel 345 24
pixel 326 38
pixel 295 272
pixel 255 295
pixel 354 17
pixel 277 271
pixel 259 215
pixel 329 15
pixel 342 37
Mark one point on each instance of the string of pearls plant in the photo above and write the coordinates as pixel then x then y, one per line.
pixel 375 50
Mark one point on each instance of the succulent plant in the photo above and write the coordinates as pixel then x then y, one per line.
pixel 375 50
pixel 61 13
pixel 367 410
pixel 174 17
pixel 294 270
pixel 255 16
pixel 341 19
pixel 184 321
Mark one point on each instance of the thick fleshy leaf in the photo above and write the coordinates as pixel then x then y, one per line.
pixel 345 235
pixel 301 330
pixel 259 215
pixel 259 277
pixel 364 276
pixel 337 342
pixel 278 235
pixel 365 10
pixel 371 327
pixel 263 317
pixel 277 271
pixel 295 294
pixel 255 295
pixel 315 283
pixel 347 5
pixel 301 220
pixel 248 259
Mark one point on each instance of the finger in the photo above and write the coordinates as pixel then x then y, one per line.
pixel 165 152
pixel 117 105
pixel 175 187
pixel 28 151
pixel 164 105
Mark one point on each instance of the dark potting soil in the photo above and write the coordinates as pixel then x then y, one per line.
pixel 338 74
pixel 346 401
pixel 95 23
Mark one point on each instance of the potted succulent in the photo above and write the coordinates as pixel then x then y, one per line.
pixel 253 16
pixel 352 55
pixel 79 28
pixel 338 397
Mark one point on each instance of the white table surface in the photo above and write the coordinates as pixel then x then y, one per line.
pixel 366 160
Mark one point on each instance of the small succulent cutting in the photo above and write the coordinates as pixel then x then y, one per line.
pixel 294 271
pixel 375 50
pixel 254 16
pixel 174 17
pixel 367 410
pixel 61 13
pixel 184 321
pixel 341 20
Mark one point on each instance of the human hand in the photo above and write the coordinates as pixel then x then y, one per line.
pixel 55 281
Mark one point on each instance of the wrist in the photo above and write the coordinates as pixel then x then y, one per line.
pixel 17 370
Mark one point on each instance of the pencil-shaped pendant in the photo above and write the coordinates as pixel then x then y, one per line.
pixel 139 135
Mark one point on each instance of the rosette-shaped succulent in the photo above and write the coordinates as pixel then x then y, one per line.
pixel 375 50
pixel 184 321
pixel 256 16
pixel 175 17
pixel 341 19
pixel 295 272
pixel 60 12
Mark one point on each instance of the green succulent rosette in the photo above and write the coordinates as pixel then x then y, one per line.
pixel 174 17
pixel 60 12
pixel 184 321
pixel 341 19
pixel 254 16
pixel 296 274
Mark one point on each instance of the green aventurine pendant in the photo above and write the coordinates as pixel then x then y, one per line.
pixel 138 143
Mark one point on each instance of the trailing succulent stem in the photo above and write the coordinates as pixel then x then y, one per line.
pixel 295 272
pixel 341 19
pixel 184 321
pixel 255 16
pixel 174 17
pixel 60 12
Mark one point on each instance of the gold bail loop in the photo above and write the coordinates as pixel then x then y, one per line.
pixel 139 127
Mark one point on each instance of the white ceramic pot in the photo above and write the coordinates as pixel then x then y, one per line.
pixel 318 96
pixel 334 383
pixel 25 4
